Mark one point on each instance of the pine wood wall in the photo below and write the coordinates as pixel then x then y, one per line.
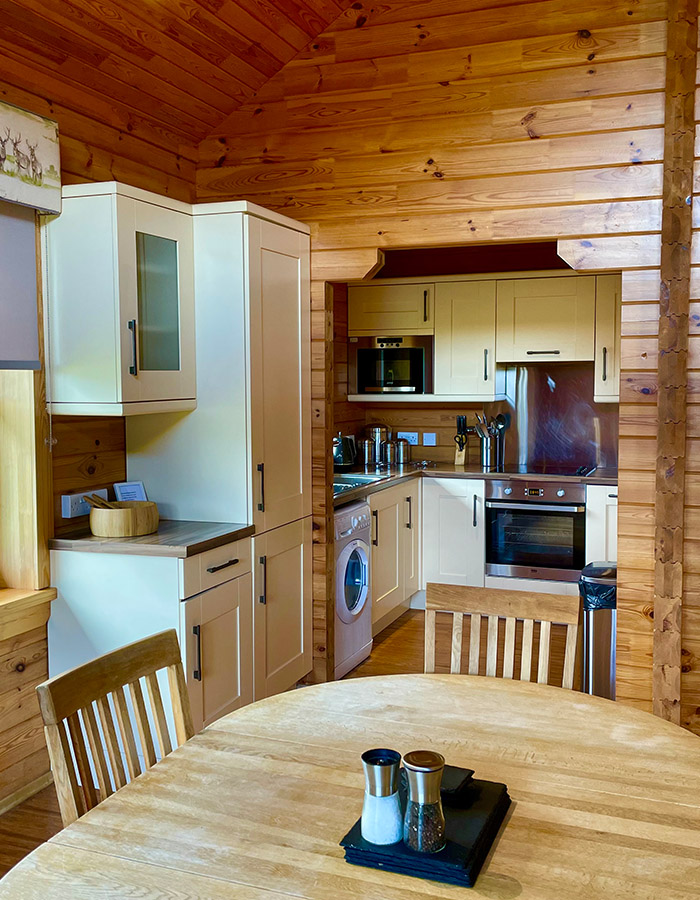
pixel 454 123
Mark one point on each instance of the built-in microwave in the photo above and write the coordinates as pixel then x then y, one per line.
pixel 390 365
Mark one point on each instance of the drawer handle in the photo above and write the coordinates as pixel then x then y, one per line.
pixel 543 352
pixel 612 496
pixel 197 632
pixel 230 562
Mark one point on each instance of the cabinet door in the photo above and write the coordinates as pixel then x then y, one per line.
pixel 390 309
pixel 282 607
pixel 280 393
pixel 601 523
pixel 387 562
pixel 545 319
pixel 465 338
pixel 607 339
pixel 156 302
pixel 454 535
pixel 411 533
pixel 218 644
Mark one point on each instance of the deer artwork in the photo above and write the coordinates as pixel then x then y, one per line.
pixel 3 149
pixel 22 160
pixel 37 171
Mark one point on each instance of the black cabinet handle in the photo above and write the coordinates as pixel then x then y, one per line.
pixel 612 496
pixel 543 352
pixel 486 364
pixel 375 516
pixel 425 306
pixel 263 597
pixel 134 367
pixel 409 524
pixel 230 562
pixel 605 363
pixel 261 469
pixel 474 513
pixel 197 632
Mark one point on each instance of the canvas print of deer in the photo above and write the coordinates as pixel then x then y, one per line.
pixel 30 161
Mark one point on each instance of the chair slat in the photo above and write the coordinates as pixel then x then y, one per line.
pixel 492 646
pixel 456 650
pixel 567 680
pixel 133 763
pixel 159 720
pixel 474 643
pixel 142 724
pixel 70 797
pixel 96 751
pixel 111 742
pixel 509 648
pixel 82 761
pixel 429 641
pixel 526 652
pixel 543 660
pixel 182 715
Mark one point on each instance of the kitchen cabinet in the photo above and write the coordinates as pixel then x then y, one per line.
pixel 454 536
pixel 465 340
pixel 411 535
pixel 390 309
pixel 387 575
pixel 282 621
pixel 106 600
pixel 119 299
pixel 607 339
pixel 601 523
pixel 545 319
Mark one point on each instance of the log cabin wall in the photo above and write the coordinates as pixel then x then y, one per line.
pixel 458 123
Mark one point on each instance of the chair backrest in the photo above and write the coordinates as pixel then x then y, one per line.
pixel 494 604
pixel 72 703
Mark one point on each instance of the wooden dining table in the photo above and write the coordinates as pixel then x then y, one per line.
pixel 606 800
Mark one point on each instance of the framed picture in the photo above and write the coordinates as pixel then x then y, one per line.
pixel 30 160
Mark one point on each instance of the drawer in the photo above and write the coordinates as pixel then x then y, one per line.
pixel 206 570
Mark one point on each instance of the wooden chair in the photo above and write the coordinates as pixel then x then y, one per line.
pixel 547 609
pixel 72 703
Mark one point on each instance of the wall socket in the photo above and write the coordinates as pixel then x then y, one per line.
pixel 429 438
pixel 410 436
pixel 73 505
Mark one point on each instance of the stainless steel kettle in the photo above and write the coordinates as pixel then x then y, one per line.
pixel 344 453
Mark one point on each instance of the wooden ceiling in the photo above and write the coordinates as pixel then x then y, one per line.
pixel 157 76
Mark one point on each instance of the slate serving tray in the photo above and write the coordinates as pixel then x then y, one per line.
pixel 473 817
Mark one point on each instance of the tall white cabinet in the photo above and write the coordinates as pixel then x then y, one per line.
pixel 244 454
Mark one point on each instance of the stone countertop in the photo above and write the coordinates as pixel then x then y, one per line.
pixel 445 470
pixel 175 539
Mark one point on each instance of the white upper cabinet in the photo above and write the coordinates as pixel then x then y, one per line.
pixel 607 339
pixel 545 319
pixel 390 309
pixel 465 340
pixel 120 303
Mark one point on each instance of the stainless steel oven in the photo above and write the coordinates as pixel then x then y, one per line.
pixel 390 365
pixel 535 529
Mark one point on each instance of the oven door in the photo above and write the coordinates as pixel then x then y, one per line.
pixel 535 540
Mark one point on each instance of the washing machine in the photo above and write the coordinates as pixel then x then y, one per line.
pixel 353 602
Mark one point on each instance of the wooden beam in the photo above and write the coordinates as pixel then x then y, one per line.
pixel 676 235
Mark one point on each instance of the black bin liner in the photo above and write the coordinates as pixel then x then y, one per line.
pixel 598 586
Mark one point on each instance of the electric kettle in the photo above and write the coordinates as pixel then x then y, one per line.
pixel 344 454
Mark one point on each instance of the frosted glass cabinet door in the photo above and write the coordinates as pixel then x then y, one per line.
pixel 156 302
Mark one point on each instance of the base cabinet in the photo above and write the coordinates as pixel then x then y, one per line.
pixel 217 642
pixel 601 523
pixel 282 623
pixel 411 534
pixel 454 536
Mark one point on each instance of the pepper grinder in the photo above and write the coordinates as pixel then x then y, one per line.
pixel 424 823
pixel 381 811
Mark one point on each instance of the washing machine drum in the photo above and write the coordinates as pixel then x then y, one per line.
pixel 352 580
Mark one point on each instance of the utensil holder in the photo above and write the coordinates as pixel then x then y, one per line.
pixel 489 453
pixel 129 519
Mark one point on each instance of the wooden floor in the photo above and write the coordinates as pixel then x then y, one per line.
pixel 398 650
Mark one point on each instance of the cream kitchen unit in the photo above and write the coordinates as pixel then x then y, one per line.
pixel 454 536
pixel 395 551
pixel 119 300
pixel 601 523
pixel 107 598
pixel 393 309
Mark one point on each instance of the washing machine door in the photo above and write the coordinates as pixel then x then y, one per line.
pixel 352 581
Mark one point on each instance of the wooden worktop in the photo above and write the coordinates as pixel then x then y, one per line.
pixel 177 539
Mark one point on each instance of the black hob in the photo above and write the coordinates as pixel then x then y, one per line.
pixel 546 469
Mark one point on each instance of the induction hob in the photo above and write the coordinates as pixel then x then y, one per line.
pixel 582 471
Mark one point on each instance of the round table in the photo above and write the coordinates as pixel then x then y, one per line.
pixel 606 800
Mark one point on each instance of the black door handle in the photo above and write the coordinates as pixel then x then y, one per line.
pixel 425 306
pixel 605 363
pixel 261 469
pixel 410 512
pixel 134 367
pixel 263 596
pixel 230 562
pixel 375 516
pixel 197 632
pixel 474 513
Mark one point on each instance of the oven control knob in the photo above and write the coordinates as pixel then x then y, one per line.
pixel 508 491
pixel 561 492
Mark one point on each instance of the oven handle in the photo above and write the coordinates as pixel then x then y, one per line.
pixel 534 507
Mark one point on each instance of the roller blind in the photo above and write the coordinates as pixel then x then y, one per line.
pixel 19 334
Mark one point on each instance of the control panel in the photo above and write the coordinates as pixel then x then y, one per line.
pixel 536 491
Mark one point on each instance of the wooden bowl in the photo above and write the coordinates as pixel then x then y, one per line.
pixel 133 517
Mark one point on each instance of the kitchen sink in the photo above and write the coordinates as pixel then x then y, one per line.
pixel 347 482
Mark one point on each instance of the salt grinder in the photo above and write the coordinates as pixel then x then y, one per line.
pixel 382 822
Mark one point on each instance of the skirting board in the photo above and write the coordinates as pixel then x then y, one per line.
pixel 25 792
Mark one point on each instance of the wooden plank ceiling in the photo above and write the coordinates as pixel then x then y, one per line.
pixel 156 76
